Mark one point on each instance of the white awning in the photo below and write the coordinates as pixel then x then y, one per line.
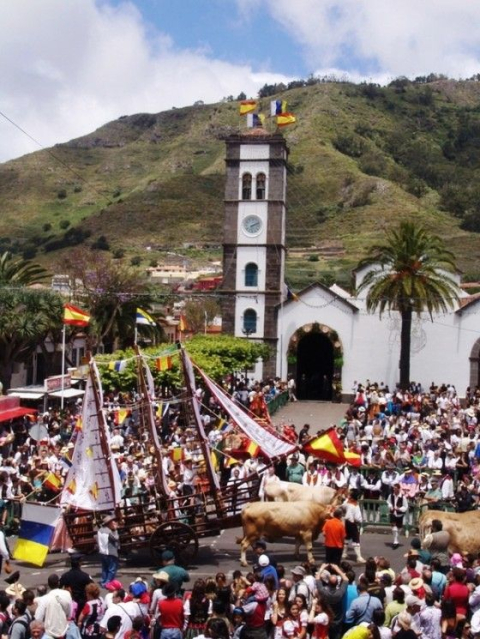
pixel 67 393
pixel 25 395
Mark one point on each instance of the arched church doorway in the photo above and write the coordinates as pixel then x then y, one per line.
pixel 315 361
pixel 475 365
pixel 315 367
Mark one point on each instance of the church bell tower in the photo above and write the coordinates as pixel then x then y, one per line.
pixel 254 237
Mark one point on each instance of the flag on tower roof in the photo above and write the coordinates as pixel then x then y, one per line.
pixel 277 107
pixel 247 106
pixel 285 119
pixel 255 120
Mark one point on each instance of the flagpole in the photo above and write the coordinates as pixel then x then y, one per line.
pixel 281 337
pixel 63 366
pixel 135 334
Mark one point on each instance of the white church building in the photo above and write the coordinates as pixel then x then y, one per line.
pixel 325 339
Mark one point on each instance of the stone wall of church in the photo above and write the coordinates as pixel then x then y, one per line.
pixel 276 211
pixel 227 301
pixel 230 223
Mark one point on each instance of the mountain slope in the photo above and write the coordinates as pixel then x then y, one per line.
pixel 361 157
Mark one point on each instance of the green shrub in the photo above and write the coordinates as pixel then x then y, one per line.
pixel 349 144
pixel 101 244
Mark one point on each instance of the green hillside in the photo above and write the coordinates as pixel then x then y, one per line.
pixel 361 157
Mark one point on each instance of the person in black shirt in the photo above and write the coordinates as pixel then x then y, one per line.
pixel 464 500
pixel 75 580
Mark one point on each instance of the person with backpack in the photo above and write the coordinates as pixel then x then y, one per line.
pixel 136 631
pixel 361 609
pixel 91 614
pixel 20 628
pixel 300 586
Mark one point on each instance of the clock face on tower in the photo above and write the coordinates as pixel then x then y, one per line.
pixel 252 225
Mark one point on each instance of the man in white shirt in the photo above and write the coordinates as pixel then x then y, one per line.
pixel 54 610
pixel 122 610
pixel 435 462
pixel 116 439
pixel 108 545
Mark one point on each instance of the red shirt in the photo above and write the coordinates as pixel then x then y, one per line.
pixel 459 594
pixel 171 613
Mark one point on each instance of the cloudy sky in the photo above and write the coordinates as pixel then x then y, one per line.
pixel 68 66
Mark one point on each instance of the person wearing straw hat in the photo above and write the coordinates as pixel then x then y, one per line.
pixel 108 546
pixel 434 494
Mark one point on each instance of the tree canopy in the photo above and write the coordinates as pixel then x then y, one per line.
pixel 111 292
pixel 217 356
pixel 411 272
pixel 29 316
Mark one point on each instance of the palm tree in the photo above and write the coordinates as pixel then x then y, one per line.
pixel 411 273
pixel 20 272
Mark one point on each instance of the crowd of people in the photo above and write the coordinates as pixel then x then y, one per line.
pixel 416 446
pixel 433 596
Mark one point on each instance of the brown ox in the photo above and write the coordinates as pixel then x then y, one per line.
pixel 289 491
pixel 303 520
pixel 462 527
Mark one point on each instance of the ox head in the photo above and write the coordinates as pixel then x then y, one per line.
pixel 340 497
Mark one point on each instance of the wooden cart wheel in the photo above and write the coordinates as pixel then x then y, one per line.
pixel 180 538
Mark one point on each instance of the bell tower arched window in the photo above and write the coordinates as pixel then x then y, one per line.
pixel 249 321
pixel 246 186
pixel 251 274
pixel 261 182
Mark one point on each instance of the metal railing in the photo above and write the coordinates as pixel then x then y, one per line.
pixel 277 402
pixel 376 513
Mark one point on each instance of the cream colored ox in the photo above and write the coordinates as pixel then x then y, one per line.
pixel 302 520
pixel 462 527
pixel 289 491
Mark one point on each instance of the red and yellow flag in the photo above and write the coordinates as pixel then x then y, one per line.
pixel 75 316
pixel 252 449
pixel 329 447
pixel 285 119
pixel 163 363
pixel 247 106
pixel 53 482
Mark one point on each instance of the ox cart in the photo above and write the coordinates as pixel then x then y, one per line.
pixel 161 518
